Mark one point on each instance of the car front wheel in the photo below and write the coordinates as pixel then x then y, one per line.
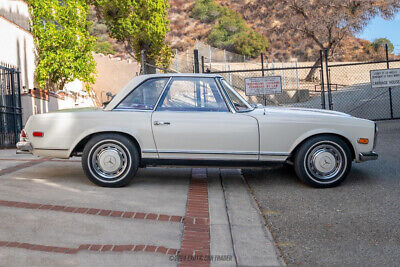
pixel 110 160
pixel 323 161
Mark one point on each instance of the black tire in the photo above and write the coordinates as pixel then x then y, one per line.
pixel 323 161
pixel 123 158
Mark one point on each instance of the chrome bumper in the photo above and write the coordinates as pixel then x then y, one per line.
pixel 368 156
pixel 24 147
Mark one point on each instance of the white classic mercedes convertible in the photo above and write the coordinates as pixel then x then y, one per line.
pixel 199 120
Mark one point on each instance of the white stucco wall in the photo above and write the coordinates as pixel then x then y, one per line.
pixel 17 49
pixel 16 7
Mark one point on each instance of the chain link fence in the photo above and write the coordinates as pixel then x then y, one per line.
pixel 339 86
pixel 352 92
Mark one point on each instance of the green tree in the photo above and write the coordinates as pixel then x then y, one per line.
pixel 377 43
pixel 230 30
pixel 139 25
pixel 63 43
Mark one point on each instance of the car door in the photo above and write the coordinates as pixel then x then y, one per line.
pixel 193 121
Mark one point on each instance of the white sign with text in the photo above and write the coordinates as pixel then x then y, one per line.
pixel 268 85
pixel 385 78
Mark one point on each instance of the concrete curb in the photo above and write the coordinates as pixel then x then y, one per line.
pixel 252 241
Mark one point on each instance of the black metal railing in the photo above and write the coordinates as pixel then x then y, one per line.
pixel 10 106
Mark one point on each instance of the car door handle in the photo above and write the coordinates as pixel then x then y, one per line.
pixel 162 123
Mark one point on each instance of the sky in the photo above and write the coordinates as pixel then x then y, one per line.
pixel 379 27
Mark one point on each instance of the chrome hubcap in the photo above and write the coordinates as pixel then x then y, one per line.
pixel 109 161
pixel 324 161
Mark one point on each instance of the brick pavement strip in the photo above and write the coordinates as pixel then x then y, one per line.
pixel 98 212
pixel 195 247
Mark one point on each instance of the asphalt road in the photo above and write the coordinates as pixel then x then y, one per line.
pixel 357 223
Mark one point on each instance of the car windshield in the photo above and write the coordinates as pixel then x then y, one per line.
pixel 237 100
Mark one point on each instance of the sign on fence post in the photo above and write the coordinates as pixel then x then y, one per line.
pixel 267 85
pixel 385 78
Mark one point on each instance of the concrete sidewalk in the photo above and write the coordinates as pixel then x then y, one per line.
pixel 52 215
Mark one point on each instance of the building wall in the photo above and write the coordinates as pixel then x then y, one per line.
pixel 16 43
pixel 112 75
pixel 16 11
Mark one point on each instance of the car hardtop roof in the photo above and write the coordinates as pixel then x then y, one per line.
pixel 135 81
pixel 209 75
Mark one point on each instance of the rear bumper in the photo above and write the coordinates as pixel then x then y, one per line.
pixel 24 147
pixel 368 156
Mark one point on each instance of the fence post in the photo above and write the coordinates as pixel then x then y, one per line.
pixel 230 74
pixel 262 64
pixel 390 88
pixel 202 64
pixel 262 72
pixel 210 55
pixel 143 60
pixel 196 61
pixel 330 104
pixel 176 60
pixel 297 74
pixel 321 73
pixel 224 59
pixel 19 100
pixel 14 104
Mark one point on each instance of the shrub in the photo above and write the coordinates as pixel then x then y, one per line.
pixel 104 48
pixel 250 43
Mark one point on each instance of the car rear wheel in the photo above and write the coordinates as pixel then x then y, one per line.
pixel 110 160
pixel 323 161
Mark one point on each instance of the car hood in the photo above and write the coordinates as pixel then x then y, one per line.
pixel 298 111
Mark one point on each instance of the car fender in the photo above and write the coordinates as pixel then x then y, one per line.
pixel 104 129
pixel 319 131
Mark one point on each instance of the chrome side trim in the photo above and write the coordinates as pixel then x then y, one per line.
pixel 149 151
pixel 278 154
pixel 56 149
pixel 206 152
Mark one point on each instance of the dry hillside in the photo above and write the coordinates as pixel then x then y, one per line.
pixel 283 45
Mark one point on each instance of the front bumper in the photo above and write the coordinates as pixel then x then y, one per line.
pixel 24 147
pixel 368 156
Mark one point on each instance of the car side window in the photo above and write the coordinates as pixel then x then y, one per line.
pixel 193 94
pixel 145 96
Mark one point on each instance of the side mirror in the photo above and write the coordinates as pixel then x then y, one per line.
pixel 110 97
pixel 106 103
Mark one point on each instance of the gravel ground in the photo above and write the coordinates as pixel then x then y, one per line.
pixel 357 223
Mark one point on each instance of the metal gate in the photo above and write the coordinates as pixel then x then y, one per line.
pixel 10 106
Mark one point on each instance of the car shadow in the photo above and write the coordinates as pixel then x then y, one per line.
pixel 284 175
